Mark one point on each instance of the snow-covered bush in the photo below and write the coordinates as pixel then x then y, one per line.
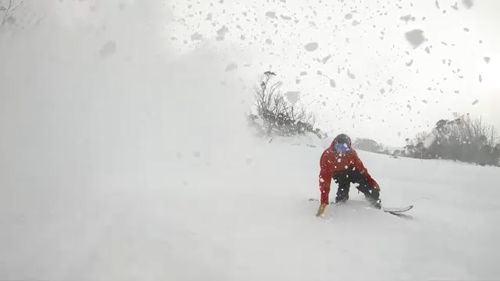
pixel 278 114
pixel 7 9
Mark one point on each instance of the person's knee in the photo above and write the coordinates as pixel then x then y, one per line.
pixel 358 177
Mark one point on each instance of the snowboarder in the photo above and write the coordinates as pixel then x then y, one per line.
pixel 341 163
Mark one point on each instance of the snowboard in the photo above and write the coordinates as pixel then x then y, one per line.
pixel 397 209
pixel 391 210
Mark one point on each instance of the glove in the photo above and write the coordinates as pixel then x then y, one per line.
pixel 321 210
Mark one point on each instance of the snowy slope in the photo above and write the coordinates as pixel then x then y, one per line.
pixel 251 221
pixel 120 161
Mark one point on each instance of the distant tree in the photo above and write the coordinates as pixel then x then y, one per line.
pixel 367 144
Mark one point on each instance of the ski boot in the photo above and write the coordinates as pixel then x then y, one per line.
pixel 376 203
pixel 341 199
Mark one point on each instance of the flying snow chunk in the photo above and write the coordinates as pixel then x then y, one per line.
pixel 468 3
pixel 311 47
pixel 406 18
pixel 249 160
pixel 196 36
pixel 415 37
pixel 292 97
pixel 108 49
pixel 429 141
pixel 475 102
pixel 231 67
pixel 271 15
pixel 351 75
pixel 222 31
pixel 487 59
pixel 332 83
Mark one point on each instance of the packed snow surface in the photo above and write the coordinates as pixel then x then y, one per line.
pixel 249 220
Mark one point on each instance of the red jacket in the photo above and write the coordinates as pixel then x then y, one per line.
pixel 330 165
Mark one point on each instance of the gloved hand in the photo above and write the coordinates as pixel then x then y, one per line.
pixel 321 210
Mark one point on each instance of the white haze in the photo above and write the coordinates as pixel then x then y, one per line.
pixel 93 105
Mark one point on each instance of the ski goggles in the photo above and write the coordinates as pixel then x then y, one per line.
pixel 341 147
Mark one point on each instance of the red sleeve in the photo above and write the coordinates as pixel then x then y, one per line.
pixel 358 165
pixel 325 175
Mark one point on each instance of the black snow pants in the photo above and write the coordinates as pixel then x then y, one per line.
pixel 344 180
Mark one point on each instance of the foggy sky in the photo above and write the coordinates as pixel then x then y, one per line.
pixel 366 40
